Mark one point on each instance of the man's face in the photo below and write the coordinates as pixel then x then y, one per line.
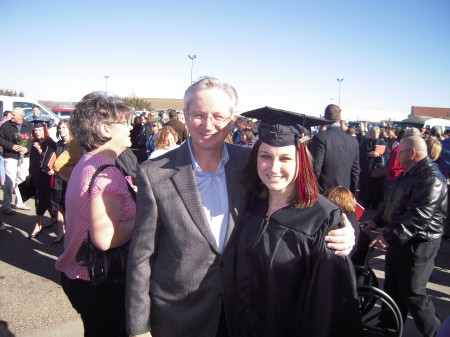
pixel 405 156
pixel 7 117
pixel 16 117
pixel 240 126
pixel 36 112
pixel 208 134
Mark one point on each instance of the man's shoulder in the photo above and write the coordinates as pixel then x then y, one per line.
pixel 238 151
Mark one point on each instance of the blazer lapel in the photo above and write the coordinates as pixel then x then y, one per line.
pixel 236 193
pixel 186 185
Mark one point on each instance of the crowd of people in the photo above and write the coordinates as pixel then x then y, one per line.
pixel 242 225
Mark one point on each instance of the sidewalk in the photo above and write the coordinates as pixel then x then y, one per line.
pixel 34 304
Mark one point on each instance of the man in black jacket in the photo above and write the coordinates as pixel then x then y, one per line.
pixel 413 217
pixel 17 158
pixel 335 154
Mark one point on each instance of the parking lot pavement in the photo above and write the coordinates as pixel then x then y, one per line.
pixel 34 305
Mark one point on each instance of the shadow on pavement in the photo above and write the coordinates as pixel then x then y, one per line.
pixel 37 255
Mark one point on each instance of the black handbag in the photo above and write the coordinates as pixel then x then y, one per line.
pixel 104 267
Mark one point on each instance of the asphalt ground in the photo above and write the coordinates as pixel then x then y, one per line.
pixel 33 303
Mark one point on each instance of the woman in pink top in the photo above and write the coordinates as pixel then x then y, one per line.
pixel 101 125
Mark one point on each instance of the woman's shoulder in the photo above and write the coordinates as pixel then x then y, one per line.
pixel 310 220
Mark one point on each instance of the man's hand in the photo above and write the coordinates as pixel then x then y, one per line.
pixel 379 242
pixel 16 148
pixel 369 225
pixel 341 240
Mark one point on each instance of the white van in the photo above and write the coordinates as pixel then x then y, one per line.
pixel 9 103
pixel 426 122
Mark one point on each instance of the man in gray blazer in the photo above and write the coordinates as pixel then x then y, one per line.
pixel 181 260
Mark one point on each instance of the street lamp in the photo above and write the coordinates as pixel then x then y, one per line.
pixel 106 78
pixel 340 80
pixel 193 57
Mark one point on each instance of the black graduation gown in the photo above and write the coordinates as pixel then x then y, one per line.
pixel 288 283
pixel 39 177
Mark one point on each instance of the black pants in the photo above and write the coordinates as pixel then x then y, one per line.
pixel 102 309
pixel 408 269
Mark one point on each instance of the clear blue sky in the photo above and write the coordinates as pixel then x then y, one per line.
pixel 286 54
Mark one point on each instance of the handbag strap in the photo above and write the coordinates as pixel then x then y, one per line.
pixel 99 170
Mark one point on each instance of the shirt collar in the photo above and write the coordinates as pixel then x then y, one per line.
pixel 222 163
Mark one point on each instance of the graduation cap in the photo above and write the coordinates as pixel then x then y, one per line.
pixel 279 127
pixel 38 123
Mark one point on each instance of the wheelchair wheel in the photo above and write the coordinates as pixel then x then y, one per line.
pixel 366 276
pixel 380 304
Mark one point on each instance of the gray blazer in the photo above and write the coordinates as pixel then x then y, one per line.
pixel 176 276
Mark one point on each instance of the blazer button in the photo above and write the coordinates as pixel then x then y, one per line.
pixel 221 265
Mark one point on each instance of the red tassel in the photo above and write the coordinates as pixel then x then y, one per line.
pixel 306 181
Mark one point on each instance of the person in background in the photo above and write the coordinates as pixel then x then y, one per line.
pixel 412 218
pixel 155 126
pixel 101 124
pixel 6 117
pixel 335 154
pixel 344 198
pixel 361 133
pixel 391 138
pixel 351 131
pixel 434 148
pixel 59 184
pixel 444 166
pixel 43 147
pixel 176 125
pixel 436 132
pixel 240 124
pixel 247 138
pixel 372 188
pixel 36 114
pixel 17 158
pixel 166 140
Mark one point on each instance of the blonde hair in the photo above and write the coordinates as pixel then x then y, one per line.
pixel 434 148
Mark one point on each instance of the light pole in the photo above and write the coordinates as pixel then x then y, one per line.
pixel 106 78
pixel 193 57
pixel 340 80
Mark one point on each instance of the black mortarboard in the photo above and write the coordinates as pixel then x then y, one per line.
pixel 38 123
pixel 282 128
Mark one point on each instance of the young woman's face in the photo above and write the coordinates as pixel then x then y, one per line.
pixel 39 133
pixel 63 130
pixel 277 167
pixel 170 141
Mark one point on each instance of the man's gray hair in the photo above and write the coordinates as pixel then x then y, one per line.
pixel 211 83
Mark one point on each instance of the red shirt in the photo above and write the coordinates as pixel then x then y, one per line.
pixel 393 168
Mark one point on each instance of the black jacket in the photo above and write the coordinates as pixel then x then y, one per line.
pixel 8 132
pixel 416 206
pixel 336 159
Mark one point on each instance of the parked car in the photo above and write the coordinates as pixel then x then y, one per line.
pixel 63 113
pixel 26 103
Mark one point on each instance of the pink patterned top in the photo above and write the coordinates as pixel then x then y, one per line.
pixel 109 182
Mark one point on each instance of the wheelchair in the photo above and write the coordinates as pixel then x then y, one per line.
pixel 374 303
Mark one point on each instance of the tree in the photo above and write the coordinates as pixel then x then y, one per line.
pixel 139 103
pixel 8 92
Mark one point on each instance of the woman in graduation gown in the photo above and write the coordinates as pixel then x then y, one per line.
pixel 288 283
pixel 43 146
